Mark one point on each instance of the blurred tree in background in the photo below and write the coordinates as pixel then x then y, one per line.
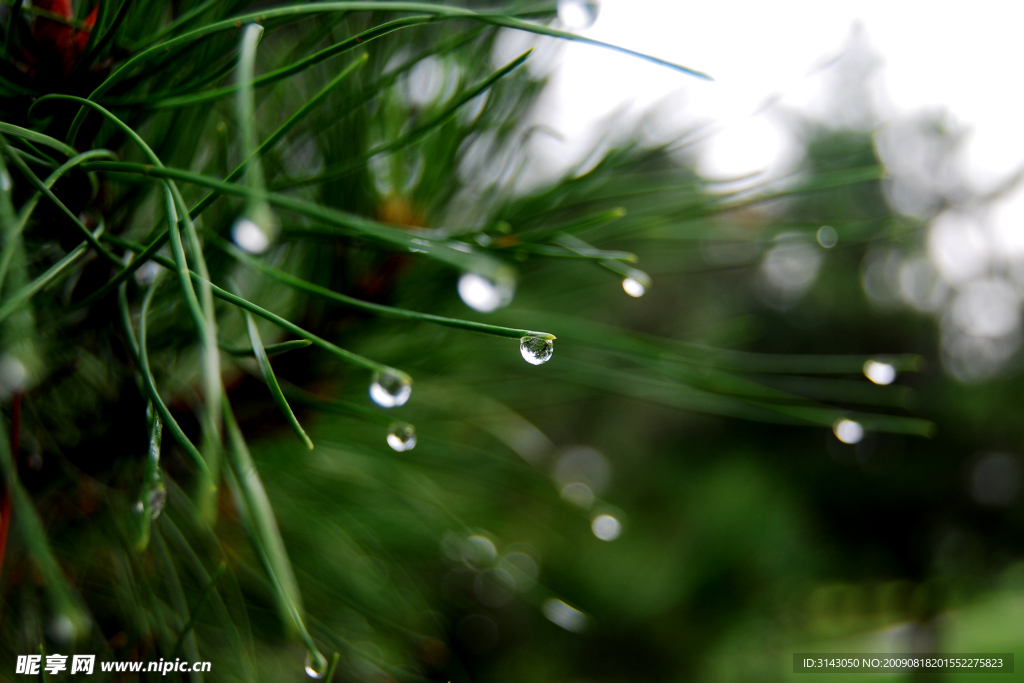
pixel 781 435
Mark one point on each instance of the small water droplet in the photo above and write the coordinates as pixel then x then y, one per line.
pixel 157 500
pixel 879 373
pixel 147 273
pixel 249 236
pixel 139 508
pixel 391 388
pixel 565 615
pixel 316 665
pixel 577 14
pixel 479 551
pixel 13 376
pixel 402 437
pixel 5 180
pixel 827 236
pixel 634 288
pixel 606 527
pixel 61 628
pixel 848 431
pixel 536 350
pixel 484 295
pixel 578 494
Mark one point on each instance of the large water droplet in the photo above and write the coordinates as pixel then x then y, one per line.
pixel 606 527
pixel 536 350
pixel 485 295
pixel 577 14
pixel 316 665
pixel 402 437
pixel 249 236
pixel 390 388
pixel 157 500
pixel 634 288
pixel 879 373
pixel 848 431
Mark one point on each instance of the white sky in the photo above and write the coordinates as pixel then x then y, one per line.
pixel 963 58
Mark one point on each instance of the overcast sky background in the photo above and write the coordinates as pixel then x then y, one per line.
pixel 768 60
pixel 763 55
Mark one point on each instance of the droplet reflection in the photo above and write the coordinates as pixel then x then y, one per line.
pixel 402 437
pixel 316 665
pixel 536 350
pixel 484 295
pixel 879 373
pixel 606 527
pixel 634 288
pixel 479 551
pixel 578 494
pixel 848 431
pixel 577 15
pixel 390 388
pixel 13 376
pixel 569 618
pixel 249 236
pixel 827 236
pixel 157 500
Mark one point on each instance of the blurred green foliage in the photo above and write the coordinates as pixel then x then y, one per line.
pixel 697 418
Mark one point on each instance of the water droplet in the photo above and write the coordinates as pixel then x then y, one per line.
pixel 5 180
pixel 147 273
pixel 316 665
pixel 479 551
pixel 578 494
pixel 566 616
pixel 484 295
pixel 606 527
pixel 390 389
pixel 848 431
pixel 879 373
pixel 522 568
pixel 13 376
pixel 139 508
pixel 249 236
pixel 536 350
pixel 634 288
pixel 577 14
pixel 61 629
pixel 827 236
pixel 157 500
pixel 402 437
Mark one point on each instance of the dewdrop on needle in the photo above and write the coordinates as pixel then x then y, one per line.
pixel 401 437
pixel 536 350
pixel 390 388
